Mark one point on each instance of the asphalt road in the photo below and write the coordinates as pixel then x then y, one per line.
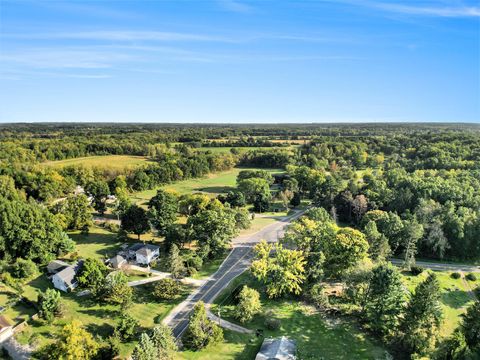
pixel 441 266
pixel 235 264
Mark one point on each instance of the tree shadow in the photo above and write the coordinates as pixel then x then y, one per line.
pixel 215 189
pixel 100 329
pixel 456 298
pixel 100 313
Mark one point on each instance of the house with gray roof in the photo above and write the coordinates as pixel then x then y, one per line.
pixel 281 348
pixel 65 279
pixel 55 266
pixel 143 253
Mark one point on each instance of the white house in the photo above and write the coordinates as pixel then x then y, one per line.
pixel 65 279
pixel 146 254
pixel 281 348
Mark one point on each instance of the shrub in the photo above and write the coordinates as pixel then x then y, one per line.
pixel 24 269
pixel 318 296
pixel 248 304
pixel 416 270
pixel 471 277
pixel 126 328
pixel 455 275
pixel 166 289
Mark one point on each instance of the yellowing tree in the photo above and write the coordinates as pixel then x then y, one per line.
pixel 75 343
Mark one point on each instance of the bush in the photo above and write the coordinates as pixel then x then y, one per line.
pixel 271 323
pixel 317 296
pixel 126 328
pixel 24 269
pixel 455 275
pixel 416 270
pixel 471 277
pixel 166 289
pixel 248 304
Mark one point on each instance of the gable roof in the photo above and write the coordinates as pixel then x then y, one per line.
pixel 56 265
pixel 117 260
pixel 136 247
pixel 147 249
pixel 277 349
pixel 67 275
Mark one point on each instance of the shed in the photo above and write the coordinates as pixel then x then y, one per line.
pixel 117 261
pixel 281 348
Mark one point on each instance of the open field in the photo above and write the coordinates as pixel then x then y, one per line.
pixel 114 162
pixel 212 184
pixel 316 336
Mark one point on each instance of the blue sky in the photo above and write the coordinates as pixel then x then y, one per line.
pixel 240 61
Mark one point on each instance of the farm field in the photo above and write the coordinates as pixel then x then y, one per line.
pixel 316 336
pixel 113 162
pixel 212 184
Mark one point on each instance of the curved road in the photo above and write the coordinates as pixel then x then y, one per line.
pixel 235 264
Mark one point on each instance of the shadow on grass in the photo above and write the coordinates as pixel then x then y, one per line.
pixel 103 330
pixel 215 189
pixel 456 298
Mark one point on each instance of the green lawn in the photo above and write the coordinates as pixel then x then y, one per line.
pixel 317 337
pixel 455 298
pixel 114 162
pixel 212 184
pixel 99 243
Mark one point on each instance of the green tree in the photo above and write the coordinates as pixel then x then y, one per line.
pixel 164 341
pixel 74 343
pixel 92 276
pixel 127 327
pixel 145 349
pixel 378 249
pixel 385 300
pixel 254 188
pixel 283 272
pixel 135 220
pixel 167 289
pixel 99 190
pixel 163 209
pixel 201 331
pixel 248 305
pixel 175 262
pixel 421 322
pixel 49 304
pixel 77 212
pixel 471 327
pixel 23 269
pixel 116 290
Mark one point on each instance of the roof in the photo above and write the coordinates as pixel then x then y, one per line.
pixel 147 249
pixel 68 274
pixel 4 322
pixel 117 260
pixel 56 265
pixel 277 349
pixel 136 247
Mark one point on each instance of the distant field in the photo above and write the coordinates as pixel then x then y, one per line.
pixel 241 149
pixel 116 162
pixel 212 184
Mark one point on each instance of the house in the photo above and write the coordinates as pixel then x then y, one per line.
pixel 281 348
pixel 147 254
pixel 65 279
pixel 6 328
pixel 56 266
pixel 117 261
pixel 143 253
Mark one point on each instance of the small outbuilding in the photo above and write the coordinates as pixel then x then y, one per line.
pixel 117 261
pixel 281 348
pixel 65 279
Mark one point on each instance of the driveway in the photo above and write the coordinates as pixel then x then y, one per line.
pixel 236 263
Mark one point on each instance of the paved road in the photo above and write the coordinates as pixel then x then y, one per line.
pixel 441 266
pixel 235 264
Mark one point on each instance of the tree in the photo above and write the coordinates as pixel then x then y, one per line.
pixel 77 212
pixel 145 349
pixel 412 232
pixel 261 203
pixel 99 190
pixel 116 290
pixel 378 249
pixel 296 199
pixel 384 300
pixel 248 304
pixel 23 269
pixel 420 325
pixel 92 276
pixel 201 331
pixel 49 304
pixel 259 174
pixel 167 289
pixel 191 204
pixel 359 207
pixel 135 220
pixel 163 209
pixel 234 198
pixel 286 197
pixel 471 327
pixel 282 273
pixel 175 262
pixel 74 343
pixel 164 341
pixel 127 327
pixel 254 189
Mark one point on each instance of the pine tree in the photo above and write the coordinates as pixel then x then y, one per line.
pixel 201 331
pixel 384 300
pixel 175 263
pixel 379 249
pixel 423 316
pixel 164 342
pixel 145 349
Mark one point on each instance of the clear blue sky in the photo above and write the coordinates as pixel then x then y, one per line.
pixel 240 61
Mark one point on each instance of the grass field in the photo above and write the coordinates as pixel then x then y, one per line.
pixel 317 337
pixel 213 184
pixel 114 162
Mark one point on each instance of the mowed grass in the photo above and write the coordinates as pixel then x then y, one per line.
pixel 113 162
pixel 213 184
pixel 455 297
pixel 317 337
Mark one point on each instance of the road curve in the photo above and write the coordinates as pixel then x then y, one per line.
pixel 237 261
